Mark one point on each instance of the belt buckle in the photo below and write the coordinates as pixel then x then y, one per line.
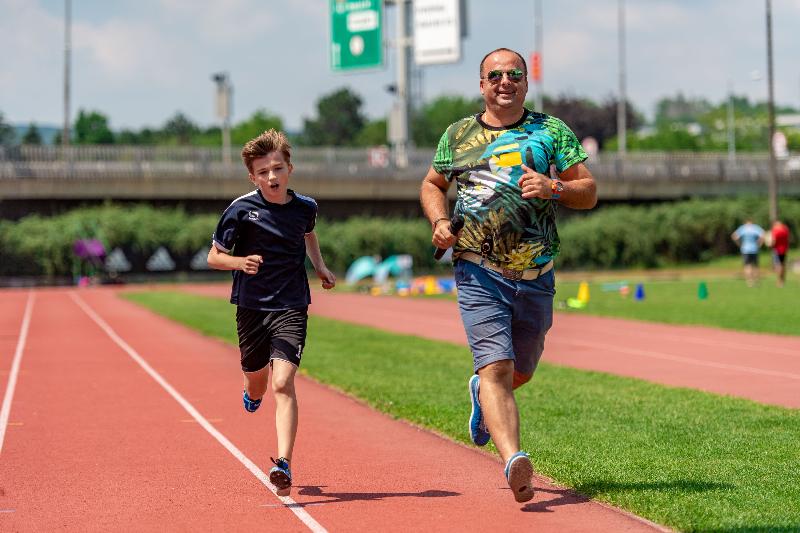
pixel 511 273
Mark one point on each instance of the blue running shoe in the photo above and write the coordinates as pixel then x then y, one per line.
pixel 280 475
pixel 477 429
pixel 519 473
pixel 250 405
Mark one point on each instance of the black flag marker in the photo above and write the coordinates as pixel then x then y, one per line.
pixel 456 223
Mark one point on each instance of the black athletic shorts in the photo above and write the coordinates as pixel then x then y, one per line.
pixel 267 335
pixel 750 259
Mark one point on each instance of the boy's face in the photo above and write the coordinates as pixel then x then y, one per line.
pixel 271 175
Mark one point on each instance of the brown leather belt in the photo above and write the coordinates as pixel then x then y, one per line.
pixel 509 273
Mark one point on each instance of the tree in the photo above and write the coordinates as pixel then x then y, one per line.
pixel 588 119
pixel 259 122
pixel 373 134
pixel 339 120
pixel 7 134
pixel 32 135
pixel 680 109
pixel 92 128
pixel 179 129
pixel 433 118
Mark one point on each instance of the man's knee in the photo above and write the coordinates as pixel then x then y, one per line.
pixel 498 371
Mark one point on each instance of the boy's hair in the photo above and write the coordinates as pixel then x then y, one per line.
pixel 269 141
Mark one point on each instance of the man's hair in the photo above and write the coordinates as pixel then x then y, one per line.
pixel 524 64
pixel 269 141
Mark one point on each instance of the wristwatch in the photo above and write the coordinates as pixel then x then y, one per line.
pixel 556 188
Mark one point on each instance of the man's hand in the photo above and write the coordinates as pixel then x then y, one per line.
pixel 535 185
pixel 251 263
pixel 328 278
pixel 442 236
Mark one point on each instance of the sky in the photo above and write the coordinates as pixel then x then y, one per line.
pixel 141 61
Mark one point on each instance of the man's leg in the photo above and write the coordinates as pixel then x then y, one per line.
pixel 499 407
pixel 286 412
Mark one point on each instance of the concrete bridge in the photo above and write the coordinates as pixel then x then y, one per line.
pixel 349 180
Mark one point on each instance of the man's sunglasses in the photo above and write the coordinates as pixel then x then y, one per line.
pixel 515 75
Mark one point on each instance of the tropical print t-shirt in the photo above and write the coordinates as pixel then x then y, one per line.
pixel 486 162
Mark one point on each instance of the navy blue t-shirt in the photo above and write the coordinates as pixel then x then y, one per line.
pixel 252 225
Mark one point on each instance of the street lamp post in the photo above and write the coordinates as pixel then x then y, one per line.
pixel 223 106
pixel 538 38
pixel 621 105
pixel 773 165
pixel 65 132
pixel 731 125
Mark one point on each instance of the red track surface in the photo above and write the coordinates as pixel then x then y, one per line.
pixel 95 443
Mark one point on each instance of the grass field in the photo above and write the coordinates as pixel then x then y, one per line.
pixel 730 303
pixel 690 460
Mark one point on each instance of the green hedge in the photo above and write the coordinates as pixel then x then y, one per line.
pixel 611 237
pixel 650 236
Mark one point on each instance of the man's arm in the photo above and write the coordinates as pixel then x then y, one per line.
pixel 315 255
pixel 433 198
pixel 580 189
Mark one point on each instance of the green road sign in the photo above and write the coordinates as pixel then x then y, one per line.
pixel 356 34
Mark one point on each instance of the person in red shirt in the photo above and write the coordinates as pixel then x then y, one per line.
pixel 780 244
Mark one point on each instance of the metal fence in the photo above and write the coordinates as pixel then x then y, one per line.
pixel 164 162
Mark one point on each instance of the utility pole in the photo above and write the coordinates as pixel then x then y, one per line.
pixel 400 111
pixel 731 125
pixel 621 104
pixel 223 105
pixel 538 39
pixel 65 132
pixel 773 165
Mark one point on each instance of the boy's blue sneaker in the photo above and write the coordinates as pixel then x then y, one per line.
pixel 519 473
pixel 250 405
pixel 280 475
pixel 477 429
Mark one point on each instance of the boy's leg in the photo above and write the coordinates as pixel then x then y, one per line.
pixel 254 346
pixel 286 412
pixel 255 383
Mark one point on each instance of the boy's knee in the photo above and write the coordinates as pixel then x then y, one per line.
pixel 521 379
pixel 283 386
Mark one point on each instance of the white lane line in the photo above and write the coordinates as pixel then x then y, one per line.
pixel 12 376
pixel 671 357
pixel 306 518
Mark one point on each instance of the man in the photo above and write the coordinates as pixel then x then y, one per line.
pixel 503 258
pixel 749 237
pixel 780 245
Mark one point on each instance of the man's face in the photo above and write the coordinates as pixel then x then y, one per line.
pixel 504 92
pixel 271 175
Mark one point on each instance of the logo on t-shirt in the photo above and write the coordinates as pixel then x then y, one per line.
pixel 253 215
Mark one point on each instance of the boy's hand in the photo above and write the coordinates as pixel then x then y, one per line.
pixel 251 264
pixel 328 278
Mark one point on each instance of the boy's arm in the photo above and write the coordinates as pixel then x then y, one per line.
pixel 219 260
pixel 315 255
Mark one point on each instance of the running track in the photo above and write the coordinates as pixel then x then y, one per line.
pixel 114 419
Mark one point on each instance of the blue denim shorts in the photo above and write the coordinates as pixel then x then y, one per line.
pixel 504 319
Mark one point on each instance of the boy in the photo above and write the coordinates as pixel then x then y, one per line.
pixel 264 237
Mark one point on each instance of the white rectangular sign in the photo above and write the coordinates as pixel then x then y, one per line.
pixel 437 31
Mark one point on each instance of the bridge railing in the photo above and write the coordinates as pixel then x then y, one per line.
pixel 163 162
